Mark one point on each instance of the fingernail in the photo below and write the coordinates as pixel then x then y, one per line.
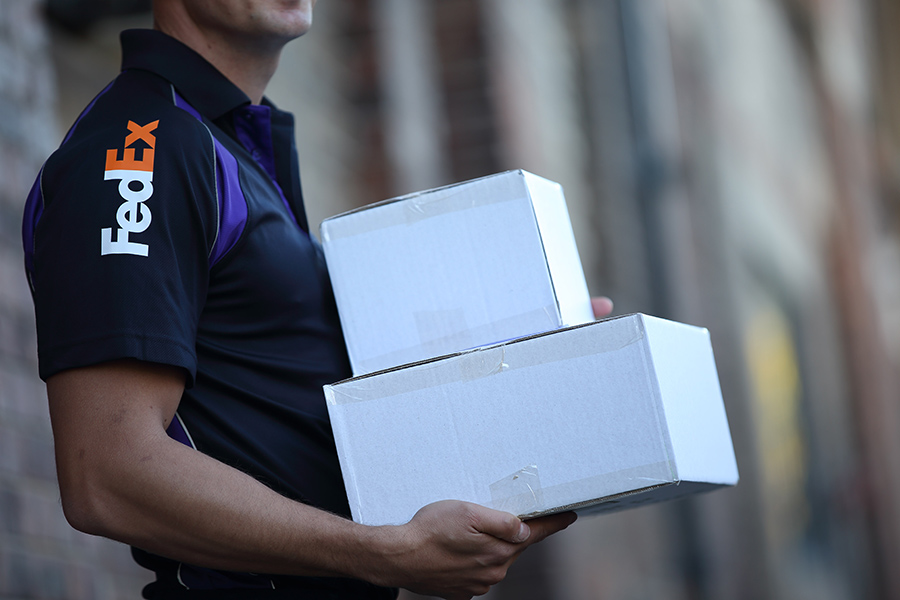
pixel 523 533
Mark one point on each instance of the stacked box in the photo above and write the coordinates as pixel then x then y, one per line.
pixel 593 418
pixel 454 268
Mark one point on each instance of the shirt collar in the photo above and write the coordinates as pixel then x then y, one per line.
pixel 198 81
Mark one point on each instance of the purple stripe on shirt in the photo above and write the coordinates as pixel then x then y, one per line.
pixel 232 205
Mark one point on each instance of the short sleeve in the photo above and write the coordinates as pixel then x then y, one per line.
pixel 120 251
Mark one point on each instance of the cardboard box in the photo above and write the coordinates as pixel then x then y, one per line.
pixel 597 417
pixel 453 268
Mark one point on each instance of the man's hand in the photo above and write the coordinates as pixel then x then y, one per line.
pixel 457 550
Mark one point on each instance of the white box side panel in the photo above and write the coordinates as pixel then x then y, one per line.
pixel 561 250
pixel 695 412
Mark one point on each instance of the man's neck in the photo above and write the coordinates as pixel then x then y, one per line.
pixel 249 66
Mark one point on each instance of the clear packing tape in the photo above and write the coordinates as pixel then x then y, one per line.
pixel 432 325
pixel 522 494
pixel 475 364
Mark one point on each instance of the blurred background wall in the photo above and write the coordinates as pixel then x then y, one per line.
pixel 734 165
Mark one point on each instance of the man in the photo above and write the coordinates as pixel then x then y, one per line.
pixel 186 326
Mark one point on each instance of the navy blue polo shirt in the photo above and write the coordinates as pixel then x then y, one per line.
pixel 169 227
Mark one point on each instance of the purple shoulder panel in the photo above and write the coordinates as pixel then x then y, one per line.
pixel 232 205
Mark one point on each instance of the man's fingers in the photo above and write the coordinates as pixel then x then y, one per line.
pixel 602 306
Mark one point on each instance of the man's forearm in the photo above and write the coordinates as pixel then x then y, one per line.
pixel 168 499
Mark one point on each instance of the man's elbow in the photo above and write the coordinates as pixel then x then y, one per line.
pixel 86 505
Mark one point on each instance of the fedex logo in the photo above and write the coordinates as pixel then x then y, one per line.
pixel 135 187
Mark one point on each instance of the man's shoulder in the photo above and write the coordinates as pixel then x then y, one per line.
pixel 134 99
pixel 133 114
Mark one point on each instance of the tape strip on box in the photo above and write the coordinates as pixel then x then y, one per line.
pixel 519 492
pixel 522 494
pixel 486 361
pixel 432 342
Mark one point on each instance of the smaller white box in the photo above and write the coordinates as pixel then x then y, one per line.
pixel 594 418
pixel 453 268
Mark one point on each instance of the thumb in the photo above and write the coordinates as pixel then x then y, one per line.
pixel 503 525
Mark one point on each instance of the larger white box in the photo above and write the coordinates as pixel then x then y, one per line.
pixel 592 418
pixel 453 268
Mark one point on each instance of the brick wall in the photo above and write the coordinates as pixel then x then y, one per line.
pixel 40 555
